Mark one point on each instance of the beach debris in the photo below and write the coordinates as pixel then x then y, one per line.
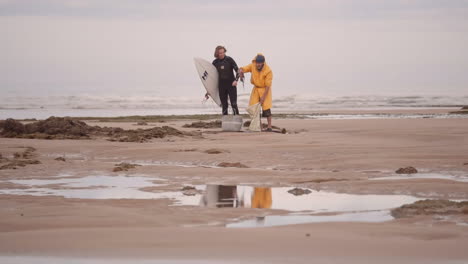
pixel 124 166
pixel 142 123
pixel 186 150
pixel 265 126
pixel 247 124
pixel 190 191
pixel 27 154
pixel 70 128
pixel 144 135
pixel 202 124
pixel 60 159
pixel 216 151
pixel 20 159
pixel 299 191
pixel 117 169
pixel 60 126
pixel 463 110
pixel 14 164
pixel 51 128
pixel 11 127
pixel 466 163
pixel 407 170
pixel 298 131
pixel 232 165
pixel 431 207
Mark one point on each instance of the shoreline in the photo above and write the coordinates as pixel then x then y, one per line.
pixel 455 111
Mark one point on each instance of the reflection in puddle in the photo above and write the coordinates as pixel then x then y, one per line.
pixel 93 181
pixel 316 206
pixel 281 220
pixel 173 164
pixel 339 207
pixel 90 187
pixel 66 155
pixel 101 187
pixel 448 176
pixel 316 201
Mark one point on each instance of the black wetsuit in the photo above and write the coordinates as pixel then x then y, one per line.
pixel 226 68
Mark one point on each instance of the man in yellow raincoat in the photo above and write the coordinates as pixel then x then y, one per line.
pixel 261 78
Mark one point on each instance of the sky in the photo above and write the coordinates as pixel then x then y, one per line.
pixel 322 47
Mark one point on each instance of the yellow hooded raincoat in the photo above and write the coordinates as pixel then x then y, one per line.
pixel 260 80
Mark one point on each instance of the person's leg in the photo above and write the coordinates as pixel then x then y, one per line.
pixel 223 96
pixel 266 107
pixel 267 114
pixel 233 99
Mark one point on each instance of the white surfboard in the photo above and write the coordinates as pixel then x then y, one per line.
pixel 209 77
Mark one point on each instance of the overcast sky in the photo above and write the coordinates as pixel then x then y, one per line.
pixel 323 47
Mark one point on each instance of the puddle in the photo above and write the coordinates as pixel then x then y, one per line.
pixel 66 155
pixel 98 187
pixel 281 220
pixel 459 177
pixel 173 164
pixel 215 196
pixel 338 207
pixel 316 201
pixel 316 206
pixel 93 181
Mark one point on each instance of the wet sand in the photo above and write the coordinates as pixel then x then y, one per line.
pixel 322 155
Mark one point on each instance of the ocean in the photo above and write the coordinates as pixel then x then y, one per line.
pixel 85 105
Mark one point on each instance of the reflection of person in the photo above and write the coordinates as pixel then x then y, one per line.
pixel 261 78
pixel 227 83
pixel 220 196
pixel 261 198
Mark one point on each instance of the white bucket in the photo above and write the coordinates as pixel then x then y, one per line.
pixel 232 123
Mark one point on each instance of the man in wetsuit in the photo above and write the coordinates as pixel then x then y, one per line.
pixel 226 67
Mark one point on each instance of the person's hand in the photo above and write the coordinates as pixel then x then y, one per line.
pixel 262 100
pixel 241 73
pixel 234 83
pixel 207 96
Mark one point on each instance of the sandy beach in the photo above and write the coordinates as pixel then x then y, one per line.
pixel 114 147
pixel 328 157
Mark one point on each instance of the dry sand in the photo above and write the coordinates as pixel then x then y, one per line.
pixel 331 155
